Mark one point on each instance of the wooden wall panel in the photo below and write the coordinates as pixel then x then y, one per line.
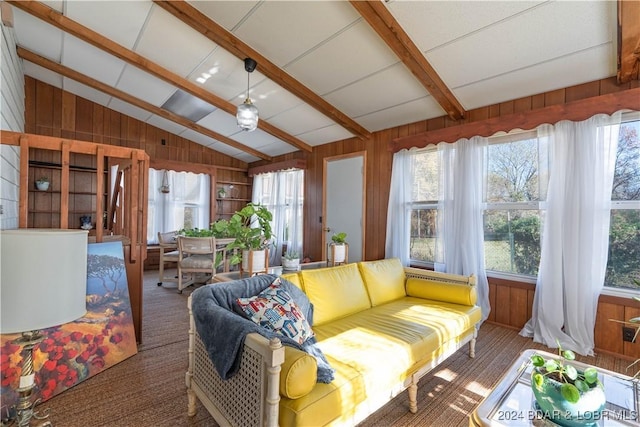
pixel 607 333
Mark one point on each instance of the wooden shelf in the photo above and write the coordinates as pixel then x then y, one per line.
pixel 232 199
pixel 233 183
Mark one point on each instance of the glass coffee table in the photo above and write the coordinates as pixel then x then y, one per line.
pixel 511 402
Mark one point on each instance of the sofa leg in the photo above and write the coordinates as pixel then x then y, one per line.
pixel 413 397
pixel 191 408
pixel 472 346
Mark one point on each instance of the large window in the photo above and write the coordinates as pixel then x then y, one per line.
pixel 186 205
pixel 516 176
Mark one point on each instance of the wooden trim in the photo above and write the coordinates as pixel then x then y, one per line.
pixel 225 39
pixel 575 111
pixel 278 166
pixel 99 193
pixel 628 40
pixel 23 203
pixel 64 185
pixel 87 35
pixel 109 90
pixel 392 33
pixel 177 166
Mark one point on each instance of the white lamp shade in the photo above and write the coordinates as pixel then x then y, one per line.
pixel 43 278
pixel 247 116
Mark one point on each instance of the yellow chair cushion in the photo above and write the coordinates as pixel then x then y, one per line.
pixel 441 291
pixel 384 280
pixel 299 373
pixel 335 292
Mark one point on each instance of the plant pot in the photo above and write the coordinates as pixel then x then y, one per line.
pixel 585 412
pixel 290 264
pixel 337 252
pixel 42 185
pixel 254 261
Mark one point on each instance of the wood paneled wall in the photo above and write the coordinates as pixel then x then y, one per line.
pixel 53 112
pixel 511 301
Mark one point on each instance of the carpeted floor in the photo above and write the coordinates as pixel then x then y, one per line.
pixel 148 389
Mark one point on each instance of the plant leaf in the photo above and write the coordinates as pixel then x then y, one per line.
pixel 537 360
pixel 551 365
pixel 571 372
pixel 568 354
pixel 591 375
pixel 581 385
pixel 570 392
pixel 538 380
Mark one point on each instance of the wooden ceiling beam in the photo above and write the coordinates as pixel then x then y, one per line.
pixel 628 40
pixel 60 21
pixel 27 55
pixel 225 39
pixel 383 23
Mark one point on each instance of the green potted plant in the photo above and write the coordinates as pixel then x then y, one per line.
pixel 567 395
pixel 250 227
pixel 42 183
pixel 222 193
pixel 291 261
pixel 338 248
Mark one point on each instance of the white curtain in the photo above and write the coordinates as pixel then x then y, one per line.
pixel 575 238
pixel 399 208
pixel 189 194
pixel 460 213
pixel 283 194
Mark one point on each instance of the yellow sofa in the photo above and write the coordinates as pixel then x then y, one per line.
pixel 381 327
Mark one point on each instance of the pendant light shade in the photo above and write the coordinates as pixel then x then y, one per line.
pixel 247 114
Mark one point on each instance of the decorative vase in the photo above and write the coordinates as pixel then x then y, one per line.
pixel 290 264
pixel 254 261
pixel 85 222
pixel 337 253
pixel 42 185
pixel 550 402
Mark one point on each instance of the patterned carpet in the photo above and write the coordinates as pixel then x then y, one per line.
pixel 148 389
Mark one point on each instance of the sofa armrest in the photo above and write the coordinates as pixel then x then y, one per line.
pixel 443 287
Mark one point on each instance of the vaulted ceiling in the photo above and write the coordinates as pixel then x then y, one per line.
pixel 327 70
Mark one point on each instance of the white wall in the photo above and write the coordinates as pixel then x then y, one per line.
pixel 11 118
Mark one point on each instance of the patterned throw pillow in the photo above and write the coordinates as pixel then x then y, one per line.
pixel 274 309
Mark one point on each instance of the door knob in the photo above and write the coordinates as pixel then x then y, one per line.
pixel 326 229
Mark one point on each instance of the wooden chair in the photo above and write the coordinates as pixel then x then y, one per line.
pixel 168 253
pixel 195 255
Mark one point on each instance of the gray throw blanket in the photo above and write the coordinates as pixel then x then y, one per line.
pixel 222 325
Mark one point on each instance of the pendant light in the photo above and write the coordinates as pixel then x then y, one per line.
pixel 247 115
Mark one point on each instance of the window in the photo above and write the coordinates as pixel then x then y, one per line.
pixel 516 177
pixel 186 205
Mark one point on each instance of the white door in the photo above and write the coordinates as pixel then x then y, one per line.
pixel 343 202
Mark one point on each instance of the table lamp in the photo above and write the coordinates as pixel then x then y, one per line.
pixel 43 283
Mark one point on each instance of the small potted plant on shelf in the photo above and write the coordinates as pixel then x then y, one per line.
pixel 291 261
pixel 567 395
pixel 222 193
pixel 337 248
pixel 42 183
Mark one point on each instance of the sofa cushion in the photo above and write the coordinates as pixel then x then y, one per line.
pixel 293 278
pixel 441 291
pixel 335 292
pixel 384 280
pixel 298 374
pixel 274 309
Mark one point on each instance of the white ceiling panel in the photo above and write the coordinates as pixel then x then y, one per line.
pixel 293 27
pixel 345 58
pixel 228 150
pixel 220 121
pixel 168 125
pixel 490 53
pixel 392 86
pixel 325 135
pixel 225 13
pixel 198 137
pixel 255 139
pixel 434 23
pixel 247 158
pixel 223 74
pixel 91 61
pixel 121 24
pixel 276 148
pixel 42 74
pixel 144 86
pixel 419 109
pixel 299 119
pixel 584 67
pixel 37 36
pixel 174 45
pixel 85 91
pixel 129 110
pixel 272 99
